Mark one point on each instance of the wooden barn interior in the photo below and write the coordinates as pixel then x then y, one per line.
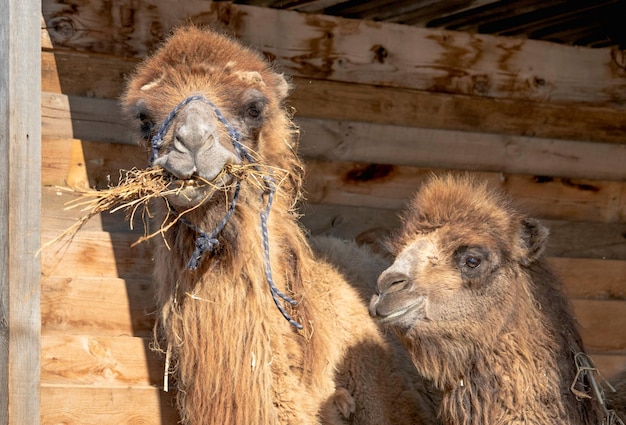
pixel 530 94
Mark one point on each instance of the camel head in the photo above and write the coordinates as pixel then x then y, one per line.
pixel 457 260
pixel 202 103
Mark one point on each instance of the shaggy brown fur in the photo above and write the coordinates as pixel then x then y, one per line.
pixel 617 399
pixel 480 313
pixel 235 358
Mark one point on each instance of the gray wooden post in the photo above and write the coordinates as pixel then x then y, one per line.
pixel 20 203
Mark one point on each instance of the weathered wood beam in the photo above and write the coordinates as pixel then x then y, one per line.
pixel 365 52
pixel 106 361
pixel 343 139
pixel 576 239
pixel 96 253
pixel 387 186
pixel 20 142
pixel 348 140
pixel 102 76
pixel 80 164
pixel 88 304
pixel 97 405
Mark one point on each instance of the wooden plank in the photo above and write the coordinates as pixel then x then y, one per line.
pixel 81 163
pixel 84 305
pixel 586 240
pixel 347 183
pixel 567 238
pixel 362 52
pixel 96 254
pixel 70 360
pixel 56 217
pixel 609 364
pixel 332 140
pixel 390 186
pixel 354 141
pixel 20 142
pixel 80 304
pixel 83 118
pixel 84 73
pixel 598 279
pixel 602 324
pixel 83 405
pixel 64 72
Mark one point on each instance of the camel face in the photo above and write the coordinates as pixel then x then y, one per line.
pixel 196 146
pixel 429 287
pixel 455 262
pixel 211 118
pixel 194 151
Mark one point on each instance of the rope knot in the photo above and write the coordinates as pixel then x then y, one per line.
pixel 204 243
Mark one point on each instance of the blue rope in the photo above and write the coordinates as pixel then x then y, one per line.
pixel 274 291
pixel 157 140
pixel 204 241
pixel 208 242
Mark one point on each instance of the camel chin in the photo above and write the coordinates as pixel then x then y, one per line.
pixel 193 192
pixel 400 310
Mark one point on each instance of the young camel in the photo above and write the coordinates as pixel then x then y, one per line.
pixel 259 330
pixel 480 313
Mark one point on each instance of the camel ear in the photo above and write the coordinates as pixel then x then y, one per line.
pixel 282 87
pixel 534 238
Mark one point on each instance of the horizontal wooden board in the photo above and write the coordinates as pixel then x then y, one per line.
pixel 82 118
pixel 390 186
pixel 81 75
pixel 82 304
pixel 107 308
pixel 89 305
pixel 354 51
pixel 97 254
pixel 99 165
pixel 59 215
pixel 114 362
pixel 567 238
pixel 602 324
pixel 353 141
pixel 83 405
pixel 149 405
pixel 81 163
pixel 590 278
pixel 609 364
pixel 103 361
pixel 582 239
pixel 598 279
pixel 331 140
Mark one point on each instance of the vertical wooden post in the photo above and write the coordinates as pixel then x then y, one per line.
pixel 20 204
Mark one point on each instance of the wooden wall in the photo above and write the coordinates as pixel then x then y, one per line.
pixel 20 168
pixel 380 106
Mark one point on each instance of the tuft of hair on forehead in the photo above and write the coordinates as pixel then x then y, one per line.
pixel 460 199
pixel 195 59
pixel 191 44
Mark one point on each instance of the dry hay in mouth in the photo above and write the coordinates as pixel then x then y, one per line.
pixel 138 187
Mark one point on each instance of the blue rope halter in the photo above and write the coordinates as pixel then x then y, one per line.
pixel 207 242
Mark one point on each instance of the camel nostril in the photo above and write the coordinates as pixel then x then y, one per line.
pixel 392 282
pixel 179 144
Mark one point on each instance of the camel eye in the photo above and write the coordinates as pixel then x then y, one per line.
pixel 254 105
pixel 472 262
pixel 146 125
pixel 253 111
